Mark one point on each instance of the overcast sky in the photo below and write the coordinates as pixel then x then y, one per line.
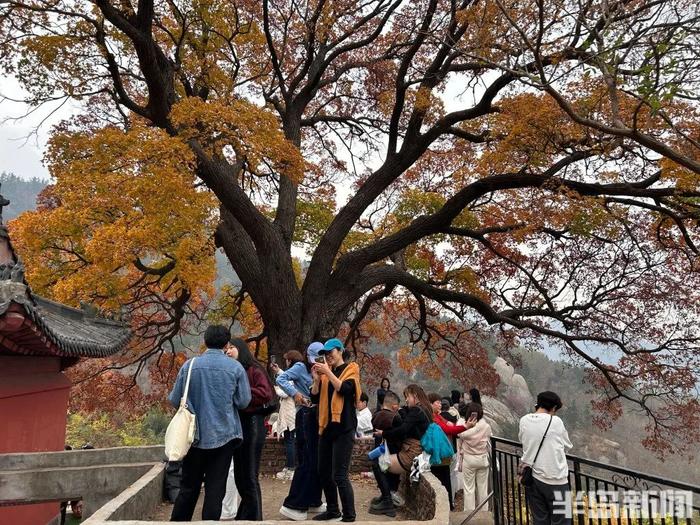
pixel 21 150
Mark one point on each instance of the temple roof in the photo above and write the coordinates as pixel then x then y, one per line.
pixel 34 325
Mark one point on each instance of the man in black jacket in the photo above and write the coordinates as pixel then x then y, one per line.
pixel 385 418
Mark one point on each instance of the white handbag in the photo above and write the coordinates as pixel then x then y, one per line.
pixel 180 433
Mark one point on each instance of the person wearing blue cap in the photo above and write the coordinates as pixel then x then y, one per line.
pixel 305 491
pixel 336 388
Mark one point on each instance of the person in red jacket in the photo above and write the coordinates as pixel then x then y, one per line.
pixel 447 427
pixel 443 472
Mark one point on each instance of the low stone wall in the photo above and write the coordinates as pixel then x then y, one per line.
pixel 95 476
pixel 82 458
pixel 426 503
pixel 137 500
pixel 426 500
pixel 273 456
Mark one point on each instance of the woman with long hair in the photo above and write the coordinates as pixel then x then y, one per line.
pixel 473 450
pixel 416 419
pixel 305 491
pixel 246 458
pixel 286 418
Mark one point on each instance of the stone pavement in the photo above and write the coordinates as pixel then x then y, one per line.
pixel 274 492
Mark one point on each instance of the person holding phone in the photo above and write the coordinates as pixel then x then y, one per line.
pixel 473 451
pixel 336 389
pixel 304 496
pixel 286 420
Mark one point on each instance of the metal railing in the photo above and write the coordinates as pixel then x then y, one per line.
pixel 600 494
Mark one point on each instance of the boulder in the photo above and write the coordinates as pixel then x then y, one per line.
pixel 498 415
pixel 513 388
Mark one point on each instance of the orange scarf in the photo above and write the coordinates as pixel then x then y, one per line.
pixel 352 371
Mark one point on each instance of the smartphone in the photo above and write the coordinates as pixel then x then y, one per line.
pixel 321 359
pixel 273 360
pixel 473 415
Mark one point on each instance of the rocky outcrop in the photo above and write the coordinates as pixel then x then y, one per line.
pixel 599 449
pixel 498 415
pixel 513 389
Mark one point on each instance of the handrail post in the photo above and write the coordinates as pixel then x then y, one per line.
pixel 496 487
pixel 578 487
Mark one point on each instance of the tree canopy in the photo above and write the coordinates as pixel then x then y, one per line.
pixel 531 165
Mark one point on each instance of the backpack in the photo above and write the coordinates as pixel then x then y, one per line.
pixel 262 403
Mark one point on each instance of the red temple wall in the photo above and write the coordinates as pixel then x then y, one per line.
pixel 33 403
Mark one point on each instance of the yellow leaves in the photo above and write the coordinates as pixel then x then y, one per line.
pixel 123 197
pixel 530 130
pixel 423 100
pixel 251 132
pixel 682 177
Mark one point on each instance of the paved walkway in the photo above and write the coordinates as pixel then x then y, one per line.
pixel 274 492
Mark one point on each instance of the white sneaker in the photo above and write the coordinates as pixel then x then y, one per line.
pixel 290 475
pixel 318 510
pixel 292 514
pixel 282 474
pixel 397 499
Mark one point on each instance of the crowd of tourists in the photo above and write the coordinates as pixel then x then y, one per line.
pixel 316 404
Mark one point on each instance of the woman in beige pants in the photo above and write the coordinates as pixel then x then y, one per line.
pixel 473 449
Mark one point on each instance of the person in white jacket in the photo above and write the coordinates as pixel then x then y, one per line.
pixel 550 468
pixel 285 425
pixel 473 450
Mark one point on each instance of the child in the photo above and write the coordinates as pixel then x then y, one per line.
pixel 385 418
pixel 364 417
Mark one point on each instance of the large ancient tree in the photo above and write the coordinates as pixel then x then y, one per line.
pixel 527 164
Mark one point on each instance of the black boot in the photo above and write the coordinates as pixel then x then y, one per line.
pixel 385 507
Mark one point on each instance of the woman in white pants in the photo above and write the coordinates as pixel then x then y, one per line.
pixel 473 449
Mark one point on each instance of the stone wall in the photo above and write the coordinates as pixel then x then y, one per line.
pixel 137 500
pixel 273 456
pixel 425 500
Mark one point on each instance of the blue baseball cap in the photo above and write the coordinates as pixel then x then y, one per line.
pixel 332 344
pixel 313 351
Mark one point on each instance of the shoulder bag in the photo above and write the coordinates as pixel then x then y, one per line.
pixel 180 433
pixel 526 479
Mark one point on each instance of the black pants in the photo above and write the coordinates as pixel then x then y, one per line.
pixel 541 498
pixel 246 467
pixel 442 473
pixel 305 490
pixel 289 438
pixel 383 481
pixel 211 466
pixel 334 455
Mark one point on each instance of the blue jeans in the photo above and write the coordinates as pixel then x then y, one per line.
pixel 289 440
pixel 305 490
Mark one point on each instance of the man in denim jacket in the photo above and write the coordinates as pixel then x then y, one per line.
pixel 218 389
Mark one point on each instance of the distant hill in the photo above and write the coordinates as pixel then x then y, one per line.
pixel 21 193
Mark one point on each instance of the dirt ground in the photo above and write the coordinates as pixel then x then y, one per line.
pixel 274 492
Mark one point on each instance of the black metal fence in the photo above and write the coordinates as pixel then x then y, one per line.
pixel 600 494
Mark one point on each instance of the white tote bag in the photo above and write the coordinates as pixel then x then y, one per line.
pixel 180 433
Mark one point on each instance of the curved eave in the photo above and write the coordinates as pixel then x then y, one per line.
pixel 43 327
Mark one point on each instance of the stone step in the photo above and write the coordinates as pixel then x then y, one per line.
pixel 483 517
